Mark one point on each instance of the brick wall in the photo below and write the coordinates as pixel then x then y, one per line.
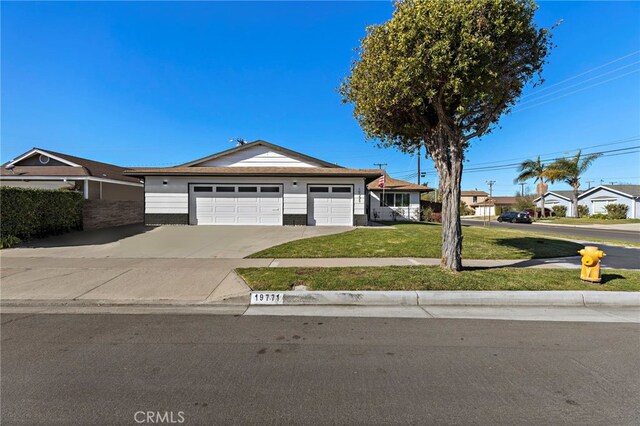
pixel 98 214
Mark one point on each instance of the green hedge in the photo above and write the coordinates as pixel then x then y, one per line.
pixel 27 213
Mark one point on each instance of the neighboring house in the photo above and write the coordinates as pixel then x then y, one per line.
pixel 45 169
pixel 494 206
pixel 400 200
pixel 257 183
pixel 555 198
pixel 596 199
pixel 473 197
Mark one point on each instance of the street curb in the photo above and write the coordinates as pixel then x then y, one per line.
pixel 448 298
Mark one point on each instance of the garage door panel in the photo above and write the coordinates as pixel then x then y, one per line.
pixel 330 208
pixel 235 208
pixel 247 209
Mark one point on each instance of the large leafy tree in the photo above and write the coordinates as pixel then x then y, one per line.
pixel 533 169
pixel 570 170
pixel 439 74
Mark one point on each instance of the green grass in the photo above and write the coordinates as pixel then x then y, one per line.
pixel 588 221
pixel 434 278
pixel 424 240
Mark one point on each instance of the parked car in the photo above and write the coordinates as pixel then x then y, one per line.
pixel 515 217
pixel 547 212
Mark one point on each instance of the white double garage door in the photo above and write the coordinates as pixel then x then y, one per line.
pixel 231 204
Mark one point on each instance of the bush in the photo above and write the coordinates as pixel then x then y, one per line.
pixel 436 217
pixel 427 213
pixel 560 211
pixel 583 211
pixel 27 213
pixel 617 211
pixel 598 216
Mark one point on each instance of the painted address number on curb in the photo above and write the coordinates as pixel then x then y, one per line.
pixel 267 298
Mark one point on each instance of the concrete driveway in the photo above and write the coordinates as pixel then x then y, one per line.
pixel 137 264
pixel 175 242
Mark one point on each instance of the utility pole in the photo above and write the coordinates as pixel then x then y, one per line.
pixel 418 165
pixel 380 165
pixel 522 184
pixel 491 183
pixel 589 183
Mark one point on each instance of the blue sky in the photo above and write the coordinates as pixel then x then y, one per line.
pixel 154 84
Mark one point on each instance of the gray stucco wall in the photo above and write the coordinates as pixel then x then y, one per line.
pixel 601 196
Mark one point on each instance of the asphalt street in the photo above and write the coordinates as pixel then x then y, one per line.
pixel 578 232
pixel 104 369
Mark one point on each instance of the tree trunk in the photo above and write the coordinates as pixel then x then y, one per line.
pixel 542 203
pixel 574 202
pixel 450 172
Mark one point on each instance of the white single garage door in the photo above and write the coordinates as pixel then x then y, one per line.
pixel 330 205
pixel 600 206
pixel 228 204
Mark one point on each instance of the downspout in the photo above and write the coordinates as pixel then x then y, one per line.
pixel 86 189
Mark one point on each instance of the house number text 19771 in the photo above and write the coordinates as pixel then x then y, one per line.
pixel 267 298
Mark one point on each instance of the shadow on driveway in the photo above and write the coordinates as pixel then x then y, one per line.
pixel 88 238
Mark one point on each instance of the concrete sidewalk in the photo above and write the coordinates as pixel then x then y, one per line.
pixel 144 280
pixel 612 227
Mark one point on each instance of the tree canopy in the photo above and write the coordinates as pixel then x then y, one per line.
pixel 444 65
pixel 440 73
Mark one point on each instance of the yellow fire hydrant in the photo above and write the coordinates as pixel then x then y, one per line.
pixel 591 264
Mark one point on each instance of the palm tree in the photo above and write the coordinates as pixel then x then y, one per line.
pixel 570 170
pixel 533 169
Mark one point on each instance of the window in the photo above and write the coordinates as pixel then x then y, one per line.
pixel 43 159
pixel 247 189
pixel 341 189
pixel 269 189
pixel 202 189
pixel 475 199
pixel 319 189
pixel 225 189
pixel 396 200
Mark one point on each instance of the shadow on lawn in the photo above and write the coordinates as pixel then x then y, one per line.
pixel 540 248
pixel 606 278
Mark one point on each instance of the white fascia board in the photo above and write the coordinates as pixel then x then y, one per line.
pixel 39 151
pixel 553 193
pixel 624 194
pixel 87 178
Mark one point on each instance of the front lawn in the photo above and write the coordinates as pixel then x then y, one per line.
pixel 434 278
pixel 587 221
pixel 424 240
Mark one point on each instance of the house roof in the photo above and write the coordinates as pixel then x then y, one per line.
pixel 391 184
pixel 473 193
pixel 497 201
pixel 628 190
pixel 253 171
pixel 78 166
pixel 255 143
pixel 562 194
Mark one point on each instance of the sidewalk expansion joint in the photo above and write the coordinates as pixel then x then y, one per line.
pixel 101 284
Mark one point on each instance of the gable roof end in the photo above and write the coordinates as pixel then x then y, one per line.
pixel 630 191
pixel 77 166
pixel 255 143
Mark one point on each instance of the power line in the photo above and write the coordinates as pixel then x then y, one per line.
pixel 579 84
pixel 608 153
pixel 581 74
pixel 615 142
pixel 576 91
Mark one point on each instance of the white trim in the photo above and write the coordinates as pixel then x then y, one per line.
pixel 92 178
pixel 41 152
pixel 608 189
pixel 554 193
pixel 86 189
